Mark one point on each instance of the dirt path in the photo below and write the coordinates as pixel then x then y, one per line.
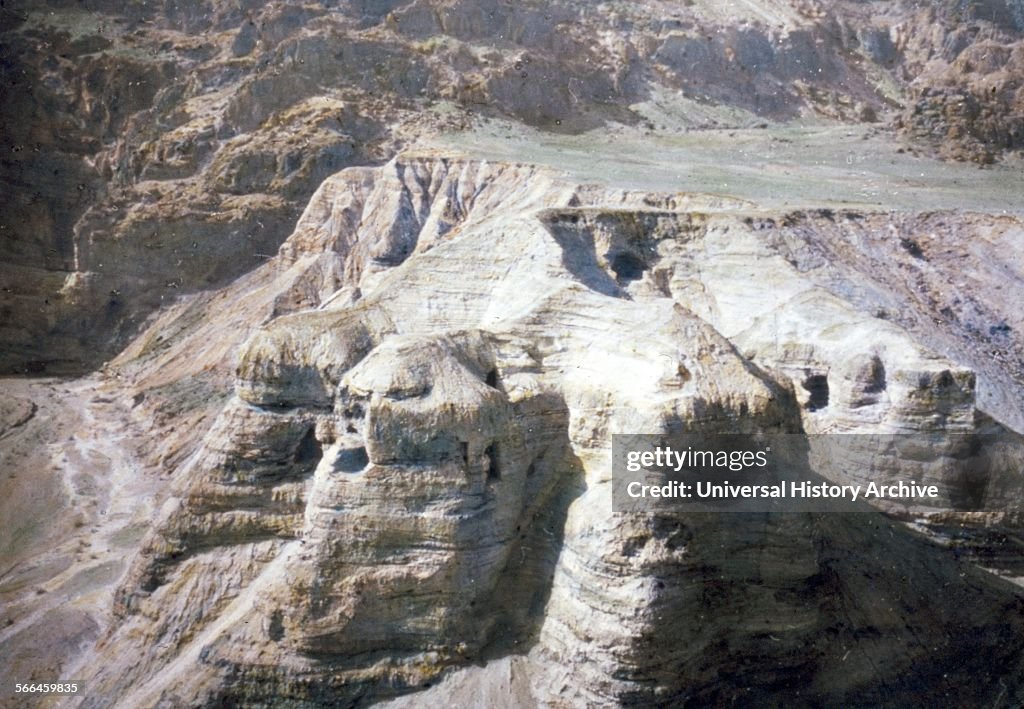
pixel 75 502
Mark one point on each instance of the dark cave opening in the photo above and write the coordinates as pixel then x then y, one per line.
pixel 309 450
pixel 352 460
pixel 627 267
pixel 493 464
pixel 492 379
pixel 816 386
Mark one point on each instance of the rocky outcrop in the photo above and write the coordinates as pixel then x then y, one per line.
pixel 349 437
pixel 968 101
pixel 413 475
pixel 162 149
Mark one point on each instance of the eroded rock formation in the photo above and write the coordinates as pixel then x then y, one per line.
pixel 412 477
pixel 349 437
pixel 157 149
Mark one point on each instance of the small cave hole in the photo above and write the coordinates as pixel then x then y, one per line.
pixel 968 493
pixel 351 460
pixel 627 267
pixel 464 449
pixel 275 629
pixel 874 380
pixel 309 449
pixel 493 464
pixel 492 379
pixel 816 386
pixel 355 411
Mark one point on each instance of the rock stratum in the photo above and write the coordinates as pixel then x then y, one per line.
pixel 409 488
pixel 146 146
pixel 373 465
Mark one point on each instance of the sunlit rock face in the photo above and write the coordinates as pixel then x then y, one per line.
pixel 408 495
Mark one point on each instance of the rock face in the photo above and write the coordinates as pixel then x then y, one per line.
pixel 968 95
pixel 410 486
pixel 158 149
pixel 351 439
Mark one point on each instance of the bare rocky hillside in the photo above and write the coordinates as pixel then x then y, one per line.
pixel 154 149
pixel 324 314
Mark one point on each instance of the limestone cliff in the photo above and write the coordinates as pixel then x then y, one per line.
pixel 352 298
pixel 413 474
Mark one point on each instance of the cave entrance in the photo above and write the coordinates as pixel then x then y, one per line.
pixel 816 386
pixel 627 267
pixel 493 462
pixel 351 460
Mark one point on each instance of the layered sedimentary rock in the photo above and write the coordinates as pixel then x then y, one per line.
pixel 410 486
pixel 371 461
pixel 158 149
